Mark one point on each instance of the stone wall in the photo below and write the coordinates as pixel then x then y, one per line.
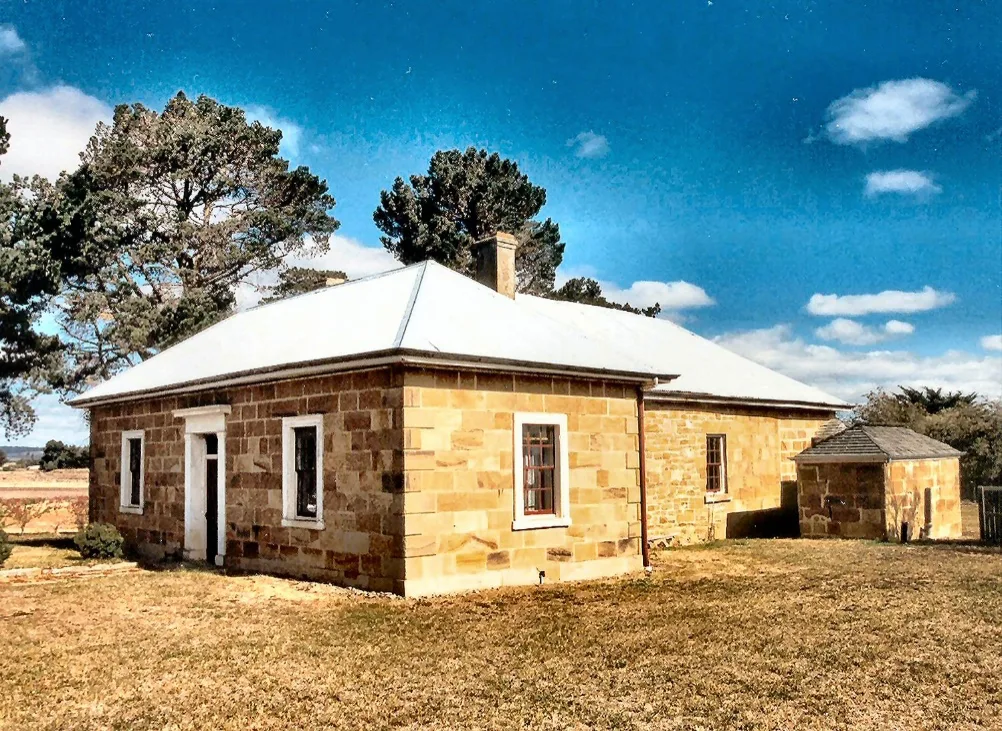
pixel 842 499
pixel 760 446
pixel 419 476
pixel 854 500
pixel 459 482
pixel 909 483
pixel 362 541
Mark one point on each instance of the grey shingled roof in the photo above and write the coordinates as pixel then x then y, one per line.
pixel 830 429
pixel 876 442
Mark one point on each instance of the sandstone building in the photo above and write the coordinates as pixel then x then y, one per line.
pixel 422 432
pixel 882 482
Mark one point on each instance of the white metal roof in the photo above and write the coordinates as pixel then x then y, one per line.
pixel 420 309
pixel 707 371
pixel 428 311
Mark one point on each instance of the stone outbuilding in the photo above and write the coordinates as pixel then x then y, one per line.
pixel 879 482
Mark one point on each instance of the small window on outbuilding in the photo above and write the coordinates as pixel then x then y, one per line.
pixel 132 477
pixel 302 474
pixel 716 463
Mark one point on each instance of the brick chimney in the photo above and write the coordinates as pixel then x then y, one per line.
pixel 494 263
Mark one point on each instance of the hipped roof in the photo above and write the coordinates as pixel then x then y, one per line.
pixel 426 314
pixel 877 444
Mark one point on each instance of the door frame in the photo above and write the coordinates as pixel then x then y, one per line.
pixel 199 421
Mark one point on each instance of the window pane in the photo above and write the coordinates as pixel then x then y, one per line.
pixel 715 463
pixel 539 467
pixel 306 471
pixel 211 444
pixel 135 469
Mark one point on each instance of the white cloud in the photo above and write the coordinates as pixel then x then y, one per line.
pixel 672 296
pixel 893 110
pixel 851 332
pixel 854 305
pixel 992 342
pixel 903 182
pixel 589 145
pixel 292 133
pixel 55 421
pixel 10 42
pixel 851 374
pixel 896 327
pixel 48 130
pixel 346 254
pixel 17 69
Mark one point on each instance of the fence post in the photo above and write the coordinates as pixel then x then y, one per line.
pixel 980 497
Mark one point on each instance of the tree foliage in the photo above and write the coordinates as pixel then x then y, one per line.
pixel 934 400
pixel 58 456
pixel 29 277
pixel 589 292
pixel 167 213
pixel 467 196
pixel 961 420
pixel 300 280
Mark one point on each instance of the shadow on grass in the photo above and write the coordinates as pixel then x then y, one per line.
pixel 43 540
pixel 713 545
pixel 960 545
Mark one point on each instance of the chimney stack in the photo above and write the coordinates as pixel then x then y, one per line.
pixel 494 263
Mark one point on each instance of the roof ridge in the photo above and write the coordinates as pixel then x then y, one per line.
pixel 409 310
pixel 346 283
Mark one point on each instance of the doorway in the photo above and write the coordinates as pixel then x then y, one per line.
pixel 205 482
pixel 211 496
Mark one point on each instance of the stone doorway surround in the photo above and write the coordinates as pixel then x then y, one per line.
pixel 199 421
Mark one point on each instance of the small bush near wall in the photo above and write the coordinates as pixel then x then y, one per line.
pixel 99 540
pixel 5 547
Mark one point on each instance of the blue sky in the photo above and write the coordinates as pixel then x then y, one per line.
pixel 732 160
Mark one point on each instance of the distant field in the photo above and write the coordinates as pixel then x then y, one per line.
pixel 58 487
pixel 35 483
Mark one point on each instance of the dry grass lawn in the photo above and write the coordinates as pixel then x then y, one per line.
pixel 770 634
pixel 45 551
pixel 41 557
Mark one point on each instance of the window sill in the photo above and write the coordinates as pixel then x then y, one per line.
pixel 302 523
pixel 134 509
pixel 716 497
pixel 530 522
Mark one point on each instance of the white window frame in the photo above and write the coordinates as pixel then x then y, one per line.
pixel 125 474
pixel 561 484
pixel 724 491
pixel 289 486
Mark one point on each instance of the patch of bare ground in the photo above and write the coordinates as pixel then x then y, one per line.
pixel 969 520
pixel 751 635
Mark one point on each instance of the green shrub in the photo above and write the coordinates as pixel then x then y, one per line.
pixel 99 540
pixel 5 547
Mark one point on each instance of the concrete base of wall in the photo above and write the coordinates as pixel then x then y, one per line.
pixel 555 572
